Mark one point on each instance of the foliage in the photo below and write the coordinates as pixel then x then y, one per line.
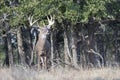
pixel 75 11
pixel 68 9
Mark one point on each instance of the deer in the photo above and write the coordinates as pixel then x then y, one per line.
pixel 42 45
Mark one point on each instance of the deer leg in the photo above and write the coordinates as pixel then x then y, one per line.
pixel 45 61
pixel 31 60
pixel 42 62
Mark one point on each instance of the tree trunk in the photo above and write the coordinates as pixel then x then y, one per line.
pixel 27 43
pixel 6 61
pixel 93 58
pixel 66 49
pixel 10 52
pixel 73 47
pixel 101 47
pixel 9 44
pixel 52 51
pixel 20 46
pixel 116 46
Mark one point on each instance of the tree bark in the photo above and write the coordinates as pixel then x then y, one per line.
pixel 91 44
pixel 101 47
pixel 52 51
pixel 10 52
pixel 66 49
pixel 20 46
pixel 9 44
pixel 6 61
pixel 27 44
pixel 74 47
pixel 116 46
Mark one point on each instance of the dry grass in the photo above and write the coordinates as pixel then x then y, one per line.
pixel 21 73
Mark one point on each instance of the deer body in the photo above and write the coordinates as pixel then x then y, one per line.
pixel 43 50
pixel 42 46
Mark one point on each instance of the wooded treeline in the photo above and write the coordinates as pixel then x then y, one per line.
pixel 86 33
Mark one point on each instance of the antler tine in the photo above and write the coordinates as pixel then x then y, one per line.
pixel 51 17
pixel 48 18
pixel 50 21
pixel 30 19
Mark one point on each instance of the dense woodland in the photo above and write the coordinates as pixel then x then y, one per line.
pixel 86 33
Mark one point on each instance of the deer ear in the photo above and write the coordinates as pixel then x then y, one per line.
pixel 31 30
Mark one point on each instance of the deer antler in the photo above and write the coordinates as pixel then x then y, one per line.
pixel 50 21
pixel 31 22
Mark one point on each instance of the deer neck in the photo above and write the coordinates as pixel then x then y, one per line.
pixel 42 36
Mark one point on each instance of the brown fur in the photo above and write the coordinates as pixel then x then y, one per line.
pixel 43 50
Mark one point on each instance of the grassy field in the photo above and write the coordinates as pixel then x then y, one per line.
pixel 22 73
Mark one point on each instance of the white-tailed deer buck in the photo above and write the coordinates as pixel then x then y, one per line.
pixel 42 46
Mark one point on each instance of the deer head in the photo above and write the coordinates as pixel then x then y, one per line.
pixel 44 31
